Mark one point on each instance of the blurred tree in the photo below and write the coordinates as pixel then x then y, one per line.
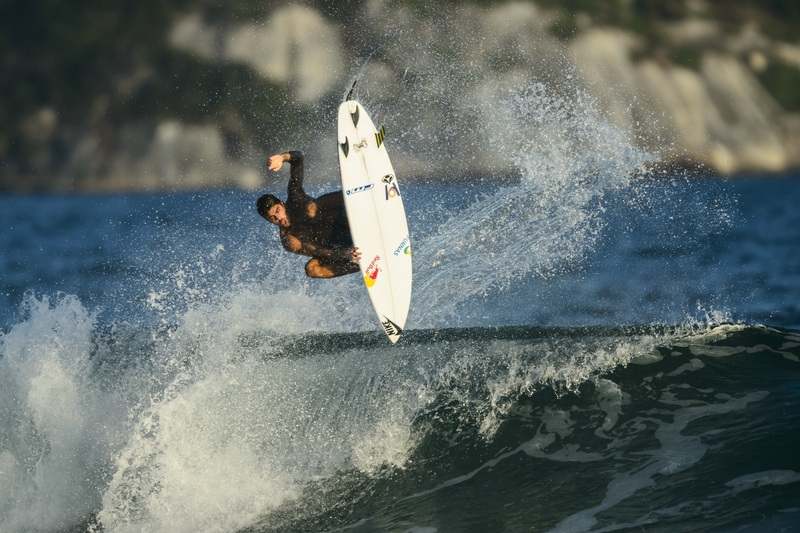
pixel 99 64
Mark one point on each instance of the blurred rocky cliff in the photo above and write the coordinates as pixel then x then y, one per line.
pixel 181 96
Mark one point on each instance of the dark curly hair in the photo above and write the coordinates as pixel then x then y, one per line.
pixel 265 203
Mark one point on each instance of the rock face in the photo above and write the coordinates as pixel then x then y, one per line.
pixel 718 115
pixel 715 114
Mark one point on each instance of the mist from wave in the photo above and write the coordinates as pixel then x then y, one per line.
pixel 219 389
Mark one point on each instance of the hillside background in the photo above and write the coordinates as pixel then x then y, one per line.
pixel 155 95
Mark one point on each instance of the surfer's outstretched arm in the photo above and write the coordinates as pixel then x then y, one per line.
pixel 295 159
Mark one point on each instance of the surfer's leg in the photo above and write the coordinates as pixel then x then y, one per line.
pixel 317 268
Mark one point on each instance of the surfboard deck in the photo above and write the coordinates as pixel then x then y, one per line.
pixel 376 215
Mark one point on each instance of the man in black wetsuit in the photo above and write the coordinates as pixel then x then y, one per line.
pixel 314 227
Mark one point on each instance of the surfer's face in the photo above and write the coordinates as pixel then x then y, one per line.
pixel 277 215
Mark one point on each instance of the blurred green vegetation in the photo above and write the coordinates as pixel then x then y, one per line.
pixel 783 82
pixel 687 56
pixel 71 55
pixel 778 19
pixel 100 64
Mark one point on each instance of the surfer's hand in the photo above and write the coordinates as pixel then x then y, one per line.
pixel 355 255
pixel 276 162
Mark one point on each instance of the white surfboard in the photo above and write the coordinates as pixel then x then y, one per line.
pixel 376 215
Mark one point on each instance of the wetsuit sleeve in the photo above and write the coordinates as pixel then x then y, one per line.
pixel 331 202
pixel 296 246
pixel 295 192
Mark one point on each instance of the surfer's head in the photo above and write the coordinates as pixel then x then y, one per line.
pixel 273 210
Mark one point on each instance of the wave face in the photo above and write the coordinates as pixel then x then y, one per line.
pixel 546 429
pixel 584 429
pixel 585 351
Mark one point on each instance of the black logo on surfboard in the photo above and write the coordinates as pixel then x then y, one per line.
pixel 345 147
pixel 390 327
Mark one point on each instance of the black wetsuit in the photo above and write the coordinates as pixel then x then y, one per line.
pixel 328 231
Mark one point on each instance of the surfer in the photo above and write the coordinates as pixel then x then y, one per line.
pixel 308 226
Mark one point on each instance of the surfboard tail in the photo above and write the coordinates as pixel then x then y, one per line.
pixel 392 330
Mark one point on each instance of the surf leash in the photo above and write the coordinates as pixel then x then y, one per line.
pixel 360 73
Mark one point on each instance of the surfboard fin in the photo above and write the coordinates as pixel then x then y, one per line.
pixel 380 135
pixel 345 147
pixel 355 115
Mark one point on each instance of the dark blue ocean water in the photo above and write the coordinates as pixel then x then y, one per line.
pixel 166 367
pixel 665 250
pixel 595 345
